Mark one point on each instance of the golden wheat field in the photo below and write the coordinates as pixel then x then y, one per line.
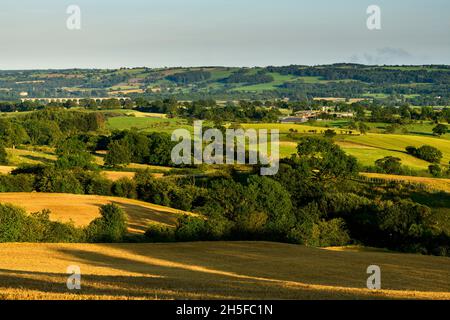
pixel 231 270
pixel 82 209
pixel 433 183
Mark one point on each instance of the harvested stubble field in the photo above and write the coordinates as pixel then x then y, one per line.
pixel 235 270
pixel 432 183
pixel 82 209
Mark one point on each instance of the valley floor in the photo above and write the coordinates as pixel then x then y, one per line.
pixel 232 270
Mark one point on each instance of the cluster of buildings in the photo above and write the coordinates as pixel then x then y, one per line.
pixel 306 115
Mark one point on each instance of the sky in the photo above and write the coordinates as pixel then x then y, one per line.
pixel 170 33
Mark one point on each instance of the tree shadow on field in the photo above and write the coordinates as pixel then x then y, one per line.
pixel 106 286
pixel 432 200
pixel 246 270
pixel 193 276
pixel 233 270
pixel 38 159
pixel 139 217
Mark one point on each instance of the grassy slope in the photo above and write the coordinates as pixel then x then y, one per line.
pixel 148 124
pixel 82 209
pixel 366 148
pixel 395 144
pixel 21 156
pixel 236 270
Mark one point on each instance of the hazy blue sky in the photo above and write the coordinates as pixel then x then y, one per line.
pixel 158 33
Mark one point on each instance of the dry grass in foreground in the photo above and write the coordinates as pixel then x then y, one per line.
pixel 82 209
pixel 232 270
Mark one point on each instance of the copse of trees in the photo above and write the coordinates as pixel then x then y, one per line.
pixel 243 76
pixel 440 130
pixel 72 153
pixel 133 146
pixel 48 127
pixel 427 153
pixel 389 165
pixel 189 77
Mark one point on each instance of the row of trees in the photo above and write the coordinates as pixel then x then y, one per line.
pixel 17 226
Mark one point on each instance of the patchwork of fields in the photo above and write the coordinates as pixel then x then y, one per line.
pixel 366 148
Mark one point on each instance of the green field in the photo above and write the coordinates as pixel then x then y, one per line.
pixel 397 143
pixel 366 148
pixel 146 124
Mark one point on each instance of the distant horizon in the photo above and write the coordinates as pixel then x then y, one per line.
pixel 230 66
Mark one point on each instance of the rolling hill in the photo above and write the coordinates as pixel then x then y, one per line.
pixel 219 270
pixel 82 209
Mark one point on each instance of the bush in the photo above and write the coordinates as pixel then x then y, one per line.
pixel 435 170
pixel 160 233
pixel 125 188
pixel 17 183
pixel 94 183
pixel 251 226
pixel 111 227
pixel 12 222
pixel 190 229
pixel 58 181
pixel 39 228
pixel 3 155
pixel 17 226
pixel 152 190
pixel 321 234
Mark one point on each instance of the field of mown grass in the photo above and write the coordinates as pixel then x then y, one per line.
pixel 147 124
pixel 219 270
pixel 82 209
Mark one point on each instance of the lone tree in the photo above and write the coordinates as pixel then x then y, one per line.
pixel 363 128
pixel 325 160
pixel 390 165
pixel 435 170
pixel 330 134
pixel 440 130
